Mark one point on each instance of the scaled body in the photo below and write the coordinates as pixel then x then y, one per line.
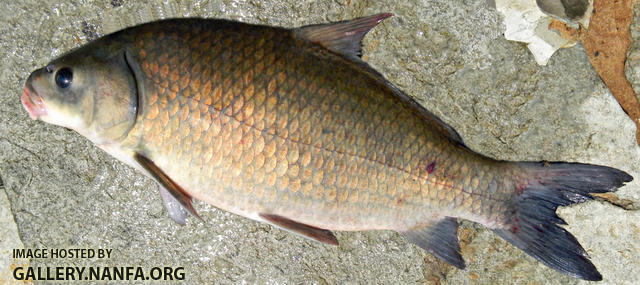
pixel 256 120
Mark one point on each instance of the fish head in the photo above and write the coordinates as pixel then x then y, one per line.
pixel 92 90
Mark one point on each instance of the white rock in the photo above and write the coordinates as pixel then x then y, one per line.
pixel 526 23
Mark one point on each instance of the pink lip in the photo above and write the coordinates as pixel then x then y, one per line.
pixel 33 103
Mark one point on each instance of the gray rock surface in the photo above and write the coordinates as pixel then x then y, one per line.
pixel 9 239
pixel 449 55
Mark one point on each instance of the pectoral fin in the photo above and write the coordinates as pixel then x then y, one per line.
pixel 173 206
pixel 311 232
pixel 174 189
pixel 440 239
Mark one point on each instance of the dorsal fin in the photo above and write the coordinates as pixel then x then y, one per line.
pixel 345 38
pixel 342 37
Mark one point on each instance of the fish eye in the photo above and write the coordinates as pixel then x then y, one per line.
pixel 64 77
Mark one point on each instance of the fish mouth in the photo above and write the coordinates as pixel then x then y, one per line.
pixel 33 103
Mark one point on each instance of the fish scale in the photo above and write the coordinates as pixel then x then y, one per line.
pixel 291 127
pixel 329 125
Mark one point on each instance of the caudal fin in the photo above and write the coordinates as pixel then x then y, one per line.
pixel 534 224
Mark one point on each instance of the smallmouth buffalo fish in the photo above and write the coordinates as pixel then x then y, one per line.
pixel 292 128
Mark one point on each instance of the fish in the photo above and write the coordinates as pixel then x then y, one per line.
pixel 291 127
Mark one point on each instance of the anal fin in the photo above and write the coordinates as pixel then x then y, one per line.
pixel 311 232
pixel 440 239
pixel 174 189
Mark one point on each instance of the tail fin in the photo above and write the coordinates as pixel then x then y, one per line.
pixel 534 227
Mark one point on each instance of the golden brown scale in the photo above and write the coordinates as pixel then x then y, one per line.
pixel 243 117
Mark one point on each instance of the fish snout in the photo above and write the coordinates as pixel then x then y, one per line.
pixel 32 102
